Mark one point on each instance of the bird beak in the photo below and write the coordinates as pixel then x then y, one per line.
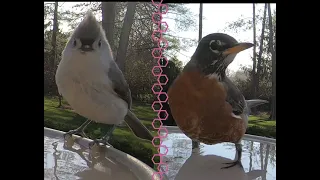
pixel 86 48
pixel 237 48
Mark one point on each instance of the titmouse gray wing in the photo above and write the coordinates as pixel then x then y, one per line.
pixel 120 85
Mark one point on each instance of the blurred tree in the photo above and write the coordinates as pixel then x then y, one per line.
pixel 261 83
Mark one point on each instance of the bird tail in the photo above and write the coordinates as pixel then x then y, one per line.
pixel 255 102
pixel 137 127
pixel 251 104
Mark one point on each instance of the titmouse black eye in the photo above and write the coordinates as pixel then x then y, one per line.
pixel 99 43
pixel 74 43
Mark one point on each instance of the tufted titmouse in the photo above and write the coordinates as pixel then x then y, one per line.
pixel 91 82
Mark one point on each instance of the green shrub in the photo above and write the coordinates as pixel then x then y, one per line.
pixel 262 131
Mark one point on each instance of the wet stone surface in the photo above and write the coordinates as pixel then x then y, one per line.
pixel 258 160
pixel 63 162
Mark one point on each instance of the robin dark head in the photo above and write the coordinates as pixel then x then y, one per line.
pixel 216 51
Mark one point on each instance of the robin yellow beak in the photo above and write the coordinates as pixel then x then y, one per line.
pixel 237 48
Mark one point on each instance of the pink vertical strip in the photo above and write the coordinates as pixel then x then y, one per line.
pixel 157 54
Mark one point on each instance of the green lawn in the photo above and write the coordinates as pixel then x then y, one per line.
pixel 261 126
pixel 65 119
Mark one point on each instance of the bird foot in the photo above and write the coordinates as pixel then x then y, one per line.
pixel 104 140
pixel 97 142
pixel 238 162
pixel 76 132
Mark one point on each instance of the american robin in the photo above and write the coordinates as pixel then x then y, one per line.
pixel 204 102
pixel 92 83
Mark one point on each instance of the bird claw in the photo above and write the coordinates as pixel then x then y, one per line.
pixel 75 132
pixel 232 164
pixel 104 140
pixel 98 141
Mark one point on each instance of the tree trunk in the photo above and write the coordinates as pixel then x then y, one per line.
pixel 273 58
pixel 54 47
pixel 200 21
pixel 108 21
pixel 259 67
pixel 54 36
pixel 124 37
pixel 195 144
pixel 253 73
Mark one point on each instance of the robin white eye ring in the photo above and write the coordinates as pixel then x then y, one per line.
pixel 214 45
pixel 217 42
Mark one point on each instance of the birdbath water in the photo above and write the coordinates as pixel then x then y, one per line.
pixel 258 159
pixel 73 160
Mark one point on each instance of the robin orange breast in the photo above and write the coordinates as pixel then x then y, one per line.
pixel 205 104
pixel 201 111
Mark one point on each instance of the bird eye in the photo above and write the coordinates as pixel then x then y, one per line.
pixel 74 43
pixel 215 45
pixel 99 43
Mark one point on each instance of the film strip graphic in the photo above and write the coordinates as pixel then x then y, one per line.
pixel 157 71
